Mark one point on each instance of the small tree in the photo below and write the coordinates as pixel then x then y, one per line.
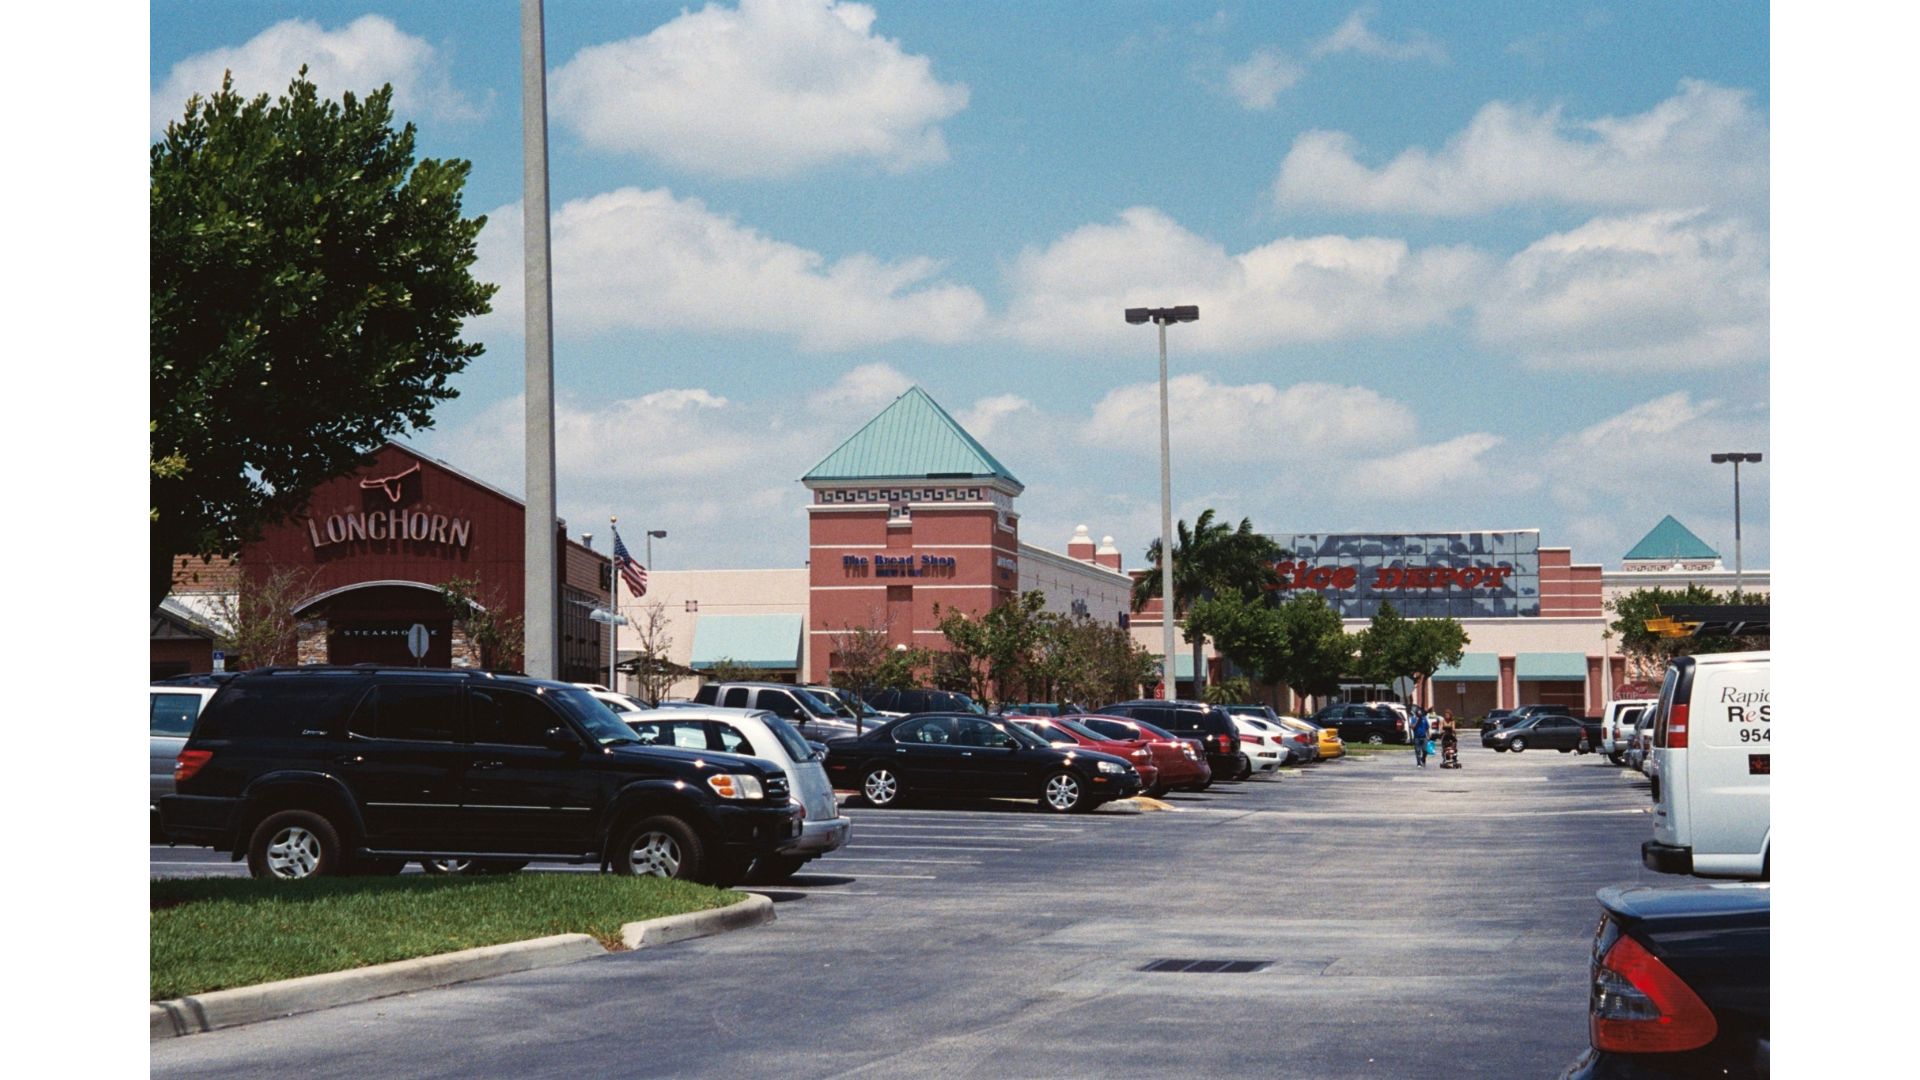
pixel 1314 649
pixel 261 628
pixel 499 638
pixel 726 669
pixel 859 653
pixel 653 673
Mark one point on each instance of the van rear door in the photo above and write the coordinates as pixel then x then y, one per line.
pixel 1729 767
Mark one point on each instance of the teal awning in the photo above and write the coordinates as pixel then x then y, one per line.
pixel 767 642
pixel 1473 667
pixel 1182 665
pixel 1555 666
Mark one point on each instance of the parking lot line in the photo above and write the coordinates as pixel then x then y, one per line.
pixel 932 847
pixel 858 874
pixel 890 859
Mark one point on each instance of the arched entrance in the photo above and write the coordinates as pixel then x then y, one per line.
pixel 368 624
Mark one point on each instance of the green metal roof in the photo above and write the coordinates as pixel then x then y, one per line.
pixel 1182 665
pixel 1473 667
pixel 911 439
pixel 1671 540
pixel 1554 666
pixel 768 642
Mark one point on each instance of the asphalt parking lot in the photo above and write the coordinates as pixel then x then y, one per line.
pixel 1411 923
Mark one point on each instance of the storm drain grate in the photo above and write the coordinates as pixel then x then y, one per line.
pixel 1208 967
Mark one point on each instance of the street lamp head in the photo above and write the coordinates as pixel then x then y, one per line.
pixel 1719 459
pixel 1164 315
pixel 1722 459
pixel 657 534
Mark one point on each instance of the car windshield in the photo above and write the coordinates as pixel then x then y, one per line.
pixel 592 714
pixel 1026 738
pixel 816 704
pixel 1154 731
pixel 1079 728
pixel 789 739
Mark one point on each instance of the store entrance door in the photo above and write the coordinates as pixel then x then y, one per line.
pixel 384 641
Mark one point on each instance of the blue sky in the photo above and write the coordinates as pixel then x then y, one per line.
pixel 1487 266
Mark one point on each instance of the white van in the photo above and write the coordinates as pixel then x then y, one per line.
pixel 1712 751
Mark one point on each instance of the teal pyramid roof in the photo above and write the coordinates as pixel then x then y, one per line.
pixel 911 439
pixel 1671 540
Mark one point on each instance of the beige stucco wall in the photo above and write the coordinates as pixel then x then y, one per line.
pixel 713 592
pixel 1064 580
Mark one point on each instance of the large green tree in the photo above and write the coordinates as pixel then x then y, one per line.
pixel 1210 558
pixel 1392 646
pixel 1647 651
pixel 309 282
pixel 1301 642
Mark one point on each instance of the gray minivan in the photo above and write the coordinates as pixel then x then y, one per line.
pixel 809 713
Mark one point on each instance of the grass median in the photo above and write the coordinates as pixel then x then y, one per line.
pixel 215 933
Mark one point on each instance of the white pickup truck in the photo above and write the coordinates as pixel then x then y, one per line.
pixel 1712 747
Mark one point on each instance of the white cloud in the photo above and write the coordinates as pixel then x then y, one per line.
pixel 867 387
pixel 766 89
pixel 1421 471
pixel 1706 145
pixel 1354 35
pixel 989 416
pixel 1257 81
pixel 1071 293
pixel 635 259
pixel 1650 292
pixel 1617 478
pixel 1250 422
pixel 361 57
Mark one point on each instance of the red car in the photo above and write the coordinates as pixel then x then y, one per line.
pixel 1063 735
pixel 1182 762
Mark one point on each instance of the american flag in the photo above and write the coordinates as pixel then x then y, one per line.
pixel 631 572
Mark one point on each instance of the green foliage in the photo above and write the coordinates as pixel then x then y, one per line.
pixel 1020 651
pixel 1316 648
pixel 1392 646
pixel 1210 559
pixel 500 638
pixel 726 669
pixel 309 280
pixel 1647 651
pixel 1234 691
pixel 260 627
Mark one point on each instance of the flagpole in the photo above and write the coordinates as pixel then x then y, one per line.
pixel 613 628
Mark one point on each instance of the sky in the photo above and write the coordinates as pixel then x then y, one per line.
pixel 1458 266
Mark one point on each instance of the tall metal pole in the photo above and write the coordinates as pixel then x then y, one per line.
pixel 1737 583
pixel 542 549
pixel 1168 668
pixel 613 628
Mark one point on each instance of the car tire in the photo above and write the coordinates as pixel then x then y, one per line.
pixel 776 868
pixel 1517 745
pixel 1245 768
pixel 881 787
pixel 659 846
pixel 1065 793
pixel 1566 749
pixel 293 845
pixel 450 867
pixel 1617 758
pixel 1157 791
pixel 1376 739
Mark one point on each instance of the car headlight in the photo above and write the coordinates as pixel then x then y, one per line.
pixel 1113 767
pixel 736 786
pixel 1191 756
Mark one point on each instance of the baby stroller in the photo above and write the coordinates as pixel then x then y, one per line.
pixel 1449 751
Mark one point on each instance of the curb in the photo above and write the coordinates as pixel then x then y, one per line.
pixel 753 911
pixel 289 997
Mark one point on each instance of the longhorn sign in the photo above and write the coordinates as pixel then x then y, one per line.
pixel 391 483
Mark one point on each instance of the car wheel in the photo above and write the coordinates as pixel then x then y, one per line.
pixel 1376 739
pixel 881 787
pixel 1517 745
pixel 659 846
pixel 294 844
pixel 1064 793
pixel 1566 749
pixel 772 868
pixel 1156 791
pixel 450 866
pixel 1617 758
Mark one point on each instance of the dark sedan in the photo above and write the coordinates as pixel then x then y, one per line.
pixel 1562 733
pixel 1679 984
pixel 960 754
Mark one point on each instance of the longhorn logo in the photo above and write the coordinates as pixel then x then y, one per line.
pixel 391 484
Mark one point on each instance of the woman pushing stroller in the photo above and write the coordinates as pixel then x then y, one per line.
pixel 1449 741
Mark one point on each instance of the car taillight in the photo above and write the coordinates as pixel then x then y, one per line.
pixel 1226 744
pixel 1639 1006
pixel 1677 727
pixel 1255 739
pixel 189 762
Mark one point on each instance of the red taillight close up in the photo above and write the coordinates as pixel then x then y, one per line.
pixel 1677 727
pixel 189 762
pixel 1639 1006
pixel 1226 744
pixel 1255 739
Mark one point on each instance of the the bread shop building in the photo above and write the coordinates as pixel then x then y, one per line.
pixel 373 554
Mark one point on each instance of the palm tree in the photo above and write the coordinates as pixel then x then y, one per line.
pixel 1209 558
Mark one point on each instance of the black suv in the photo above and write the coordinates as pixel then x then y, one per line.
pixel 1362 723
pixel 343 770
pixel 1193 720
pixel 909 702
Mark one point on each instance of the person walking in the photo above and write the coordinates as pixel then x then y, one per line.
pixel 1449 741
pixel 1419 731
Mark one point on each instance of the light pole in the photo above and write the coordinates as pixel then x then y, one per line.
pixel 1736 459
pixel 542 568
pixel 1161 317
pixel 651 533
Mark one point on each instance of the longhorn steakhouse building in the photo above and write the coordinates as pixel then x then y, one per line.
pixel 369 558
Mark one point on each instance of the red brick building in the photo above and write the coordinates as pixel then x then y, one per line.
pixel 370 556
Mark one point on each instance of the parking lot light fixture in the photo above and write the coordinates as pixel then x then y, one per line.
pixel 1161 317
pixel 1736 459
